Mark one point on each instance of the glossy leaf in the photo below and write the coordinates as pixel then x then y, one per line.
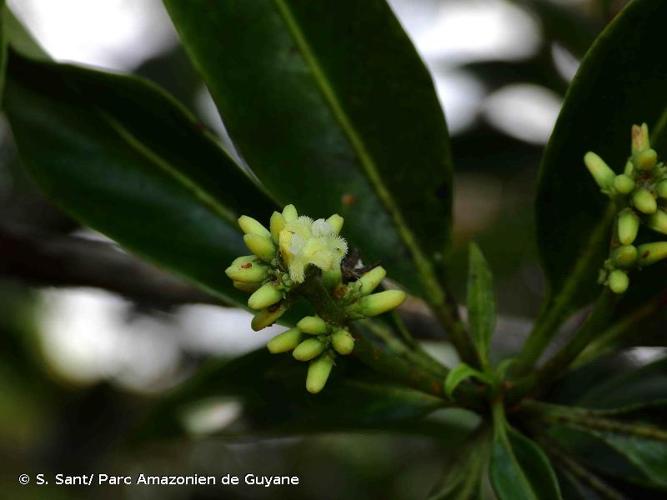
pixel 620 82
pixel 332 108
pixel 481 302
pixel 126 159
pixel 464 471
pixel 520 469
pixel 272 390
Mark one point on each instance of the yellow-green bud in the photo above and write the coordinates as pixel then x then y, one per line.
pixel 318 374
pixel 308 349
pixel 289 213
pixel 618 281
pixel 625 256
pixel 624 184
pixel 267 317
pixel 333 278
pixel 251 226
pixel 266 296
pixel 603 175
pixel 658 221
pixel 370 280
pixel 650 253
pixel 342 342
pixel 246 287
pixel 378 303
pixel 336 223
pixel 284 342
pixel 661 189
pixel 628 226
pixel 646 160
pixel 629 168
pixel 640 138
pixel 247 269
pixel 313 325
pixel 644 201
pixel 261 246
pixel 276 224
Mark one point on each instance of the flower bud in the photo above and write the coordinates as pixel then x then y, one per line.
pixel 251 226
pixel 644 201
pixel 628 226
pixel 629 169
pixel 658 221
pixel 625 256
pixel 661 189
pixel 640 138
pixel 603 175
pixel 313 325
pixel 267 317
pixel 618 281
pixel 342 342
pixel 308 349
pixel 378 303
pixel 289 213
pixel 318 374
pixel 646 160
pixel 370 280
pixel 336 223
pixel 650 253
pixel 333 278
pixel 276 224
pixel 624 184
pixel 261 246
pixel 267 295
pixel 246 287
pixel 247 269
pixel 284 342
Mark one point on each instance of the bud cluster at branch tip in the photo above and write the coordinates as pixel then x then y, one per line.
pixel 640 193
pixel 293 250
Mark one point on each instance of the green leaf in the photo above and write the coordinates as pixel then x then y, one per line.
pixel 126 159
pixel 464 471
pixel 332 108
pixel 621 81
pixel 519 468
pixel 481 303
pixel 272 390
pixel 460 373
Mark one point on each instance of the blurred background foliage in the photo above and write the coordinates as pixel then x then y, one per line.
pixel 82 359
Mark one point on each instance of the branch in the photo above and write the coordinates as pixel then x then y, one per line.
pixel 47 259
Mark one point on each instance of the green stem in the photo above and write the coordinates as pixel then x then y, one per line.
pixel 582 418
pixel 598 318
pixel 557 308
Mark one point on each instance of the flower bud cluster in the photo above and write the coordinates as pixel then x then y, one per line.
pixel 283 258
pixel 641 195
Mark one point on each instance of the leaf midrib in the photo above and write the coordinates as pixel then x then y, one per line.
pixel 434 291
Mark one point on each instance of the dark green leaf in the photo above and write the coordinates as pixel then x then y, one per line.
pixel 520 469
pixel 621 82
pixel 464 471
pixel 481 302
pixel 332 108
pixel 127 160
pixel 272 390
